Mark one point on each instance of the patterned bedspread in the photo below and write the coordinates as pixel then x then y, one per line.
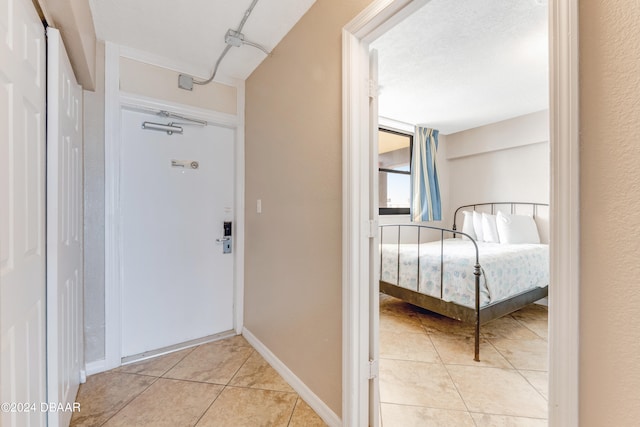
pixel 507 269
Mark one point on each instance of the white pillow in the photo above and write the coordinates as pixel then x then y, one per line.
pixel 467 225
pixel 489 228
pixel 517 229
pixel 477 226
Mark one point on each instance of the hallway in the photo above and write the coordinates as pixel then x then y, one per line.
pixel 222 383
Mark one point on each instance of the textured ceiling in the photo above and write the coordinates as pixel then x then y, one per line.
pixel 452 65
pixel 191 33
pixel 456 65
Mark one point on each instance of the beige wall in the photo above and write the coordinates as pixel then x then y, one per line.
pixel 293 161
pixel 610 213
pixel 161 83
pixel 73 19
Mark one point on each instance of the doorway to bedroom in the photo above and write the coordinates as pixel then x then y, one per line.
pixel 477 74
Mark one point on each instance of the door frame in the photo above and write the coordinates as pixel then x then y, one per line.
pixel 115 100
pixel 564 305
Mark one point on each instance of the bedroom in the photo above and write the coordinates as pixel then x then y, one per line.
pixel 489 102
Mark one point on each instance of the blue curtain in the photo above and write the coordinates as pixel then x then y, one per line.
pixel 425 190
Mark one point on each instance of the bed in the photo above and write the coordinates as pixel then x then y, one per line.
pixel 464 275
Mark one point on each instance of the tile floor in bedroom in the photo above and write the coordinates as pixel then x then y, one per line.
pixel 223 383
pixel 428 376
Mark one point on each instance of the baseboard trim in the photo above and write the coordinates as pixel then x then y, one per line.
pixel 544 301
pixel 327 415
pixel 96 367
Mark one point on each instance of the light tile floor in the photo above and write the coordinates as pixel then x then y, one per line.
pixel 428 376
pixel 223 383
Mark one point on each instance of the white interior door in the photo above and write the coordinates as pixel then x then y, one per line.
pixel 65 357
pixel 22 212
pixel 374 260
pixel 177 284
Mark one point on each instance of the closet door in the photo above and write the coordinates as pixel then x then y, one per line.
pixel 22 214
pixel 65 358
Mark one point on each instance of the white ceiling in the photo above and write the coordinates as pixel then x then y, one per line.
pixel 191 33
pixel 456 65
pixel 452 65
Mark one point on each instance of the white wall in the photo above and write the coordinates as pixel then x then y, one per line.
pixel 94 215
pixel 504 161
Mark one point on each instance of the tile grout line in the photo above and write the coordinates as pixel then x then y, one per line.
pixel 253 351
pixel 524 325
pixel 181 359
pixel 227 384
pixel 121 368
pixel 518 370
pixel 186 380
pixel 536 388
pixel 257 388
pixel 451 378
pixel 510 416
pixel 224 387
pixel 488 340
pixel 295 405
pixel 131 400
pixel 209 407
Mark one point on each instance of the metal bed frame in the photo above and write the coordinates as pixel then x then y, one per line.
pixel 478 315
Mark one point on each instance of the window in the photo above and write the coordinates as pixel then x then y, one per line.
pixel 394 166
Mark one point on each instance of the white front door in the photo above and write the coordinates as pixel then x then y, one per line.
pixel 64 231
pixel 176 193
pixel 22 213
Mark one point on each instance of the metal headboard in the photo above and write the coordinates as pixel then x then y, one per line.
pixel 493 205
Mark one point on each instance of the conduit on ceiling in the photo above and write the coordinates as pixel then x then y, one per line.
pixel 233 38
